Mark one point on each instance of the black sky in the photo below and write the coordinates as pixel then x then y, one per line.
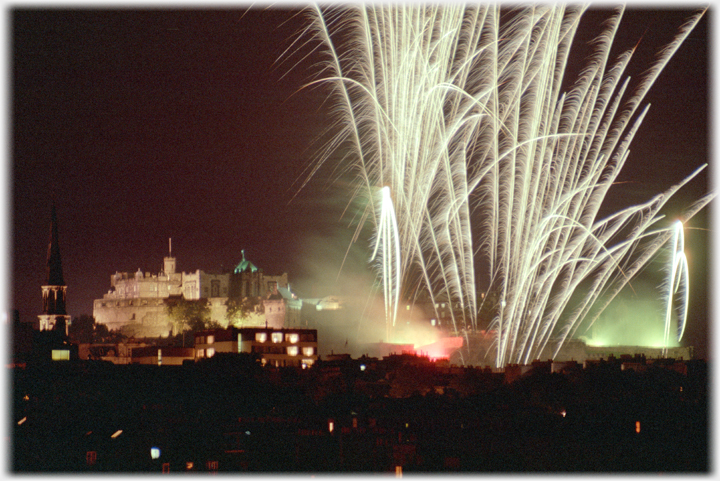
pixel 150 124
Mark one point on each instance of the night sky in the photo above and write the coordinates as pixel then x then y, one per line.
pixel 145 125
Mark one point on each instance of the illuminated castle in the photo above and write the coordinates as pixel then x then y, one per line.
pixel 136 302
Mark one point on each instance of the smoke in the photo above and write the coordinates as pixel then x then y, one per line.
pixel 636 317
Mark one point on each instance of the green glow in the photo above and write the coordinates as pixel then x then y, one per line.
pixel 634 318
pixel 245 265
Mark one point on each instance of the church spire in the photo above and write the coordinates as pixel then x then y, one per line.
pixel 54 263
pixel 54 315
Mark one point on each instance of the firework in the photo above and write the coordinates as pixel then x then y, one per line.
pixel 677 285
pixel 460 113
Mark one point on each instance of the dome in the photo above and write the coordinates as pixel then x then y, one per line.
pixel 245 265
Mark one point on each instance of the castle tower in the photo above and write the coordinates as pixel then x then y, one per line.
pixel 54 316
pixel 169 261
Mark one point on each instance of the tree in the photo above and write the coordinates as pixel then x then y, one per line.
pixel 248 311
pixel 82 329
pixel 188 314
pixel 85 330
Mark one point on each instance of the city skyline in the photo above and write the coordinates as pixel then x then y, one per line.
pixel 142 155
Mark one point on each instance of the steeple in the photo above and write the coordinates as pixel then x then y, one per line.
pixel 54 316
pixel 54 263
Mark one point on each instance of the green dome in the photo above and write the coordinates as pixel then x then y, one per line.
pixel 245 265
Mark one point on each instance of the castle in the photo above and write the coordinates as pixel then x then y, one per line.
pixel 136 303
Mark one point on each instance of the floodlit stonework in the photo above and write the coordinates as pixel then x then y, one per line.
pixel 136 303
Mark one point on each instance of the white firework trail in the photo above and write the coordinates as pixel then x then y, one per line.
pixel 387 253
pixel 677 286
pixel 459 111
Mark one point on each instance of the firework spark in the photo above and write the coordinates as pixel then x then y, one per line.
pixel 677 285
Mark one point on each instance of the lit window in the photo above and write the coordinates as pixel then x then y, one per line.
pixel 293 337
pixel 154 453
pixel 60 355
pixel 277 337
pixel 210 339
pixel 308 351
pixel 201 353
pixel 261 336
pixel 292 351
pixel 210 352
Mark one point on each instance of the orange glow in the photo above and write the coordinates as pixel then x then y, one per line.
pixel 637 426
pixel 441 349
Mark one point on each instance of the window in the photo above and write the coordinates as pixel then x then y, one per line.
pixel 261 336
pixel 201 353
pixel 210 351
pixel 210 339
pixel 293 350
pixel 60 355
pixel 308 351
pixel 293 337
pixel 277 337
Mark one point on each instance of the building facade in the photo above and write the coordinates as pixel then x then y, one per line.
pixel 276 347
pixel 136 303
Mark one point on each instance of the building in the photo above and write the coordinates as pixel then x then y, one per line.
pixel 54 316
pixel 162 355
pixel 136 303
pixel 277 347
